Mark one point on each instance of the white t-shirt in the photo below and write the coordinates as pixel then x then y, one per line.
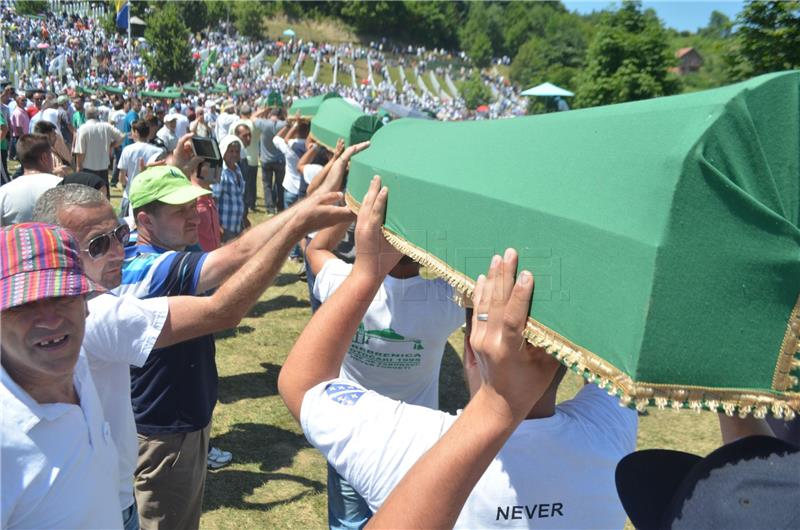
pixel 59 460
pixel 555 472
pixel 182 125
pixel 291 178
pixel 121 331
pixel 134 153
pixel 397 350
pixel 18 197
pixel 224 122
pixel 117 119
pixel 51 115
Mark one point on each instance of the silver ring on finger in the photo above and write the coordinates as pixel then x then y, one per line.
pixel 482 317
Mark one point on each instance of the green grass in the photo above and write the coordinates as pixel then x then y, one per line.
pixel 277 480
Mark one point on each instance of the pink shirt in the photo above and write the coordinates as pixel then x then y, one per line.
pixel 20 122
pixel 209 230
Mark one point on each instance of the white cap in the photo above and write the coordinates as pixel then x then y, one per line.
pixel 171 116
pixel 227 141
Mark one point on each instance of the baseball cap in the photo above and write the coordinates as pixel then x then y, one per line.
pixel 751 483
pixel 40 261
pixel 171 116
pixel 167 184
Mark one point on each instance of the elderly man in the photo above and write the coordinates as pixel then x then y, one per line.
pixel 59 459
pixel 18 197
pixel 141 327
pixel 20 123
pixel 198 126
pixel 226 119
pixel 167 133
pixel 229 192
pixel 94 143
pixel 173 416
pixel 245 130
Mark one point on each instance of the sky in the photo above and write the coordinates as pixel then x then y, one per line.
pixel 683 15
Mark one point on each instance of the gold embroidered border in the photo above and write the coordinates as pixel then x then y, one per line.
pixel 607 376
pixel 789 359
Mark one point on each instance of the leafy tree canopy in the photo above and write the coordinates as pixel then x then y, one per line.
pixel 767 40
pixel 170 56
pixel 627 60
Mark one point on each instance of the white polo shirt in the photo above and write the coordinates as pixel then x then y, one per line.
pixel 94 141
pixel 59 462
pixel 120 332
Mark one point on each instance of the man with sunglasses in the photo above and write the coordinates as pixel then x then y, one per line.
pixel 147 328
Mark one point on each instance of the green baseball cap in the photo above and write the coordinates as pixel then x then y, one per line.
pixel 167 184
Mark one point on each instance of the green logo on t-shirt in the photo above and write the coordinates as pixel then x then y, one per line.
pixel 364 335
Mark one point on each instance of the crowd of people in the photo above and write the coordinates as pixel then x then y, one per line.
pixel 109 378
pixel 64 51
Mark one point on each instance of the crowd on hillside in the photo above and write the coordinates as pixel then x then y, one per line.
pixel 64 51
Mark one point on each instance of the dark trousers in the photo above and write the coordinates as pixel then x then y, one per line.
pixel 272 179
pixel 4 159
pixel 250 174
pixel 103 174
pixel 115 174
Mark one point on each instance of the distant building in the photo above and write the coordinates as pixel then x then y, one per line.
pixel 689 60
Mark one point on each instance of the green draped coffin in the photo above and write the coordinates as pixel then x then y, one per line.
pixel 337 118
pixel 309 107
pixel 663 234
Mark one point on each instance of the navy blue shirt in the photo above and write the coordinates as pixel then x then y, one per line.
pixel 176 388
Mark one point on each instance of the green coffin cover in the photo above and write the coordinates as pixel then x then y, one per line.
pixel 663 234
pixel 309 107
pixel 112 89
pixel 160 94
pixel 337 118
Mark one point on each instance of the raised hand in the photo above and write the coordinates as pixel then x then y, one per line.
pixel 321 210
pixel 374 255
pixel 514 373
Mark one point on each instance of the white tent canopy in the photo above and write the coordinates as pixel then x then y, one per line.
pixel 546 89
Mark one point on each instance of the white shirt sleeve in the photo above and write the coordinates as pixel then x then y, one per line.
pixel 282 146
pixel 123 328
pixel 371 440
pixel 330 277
pixel 605 416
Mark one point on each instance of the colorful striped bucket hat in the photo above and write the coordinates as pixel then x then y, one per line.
pixel 40 261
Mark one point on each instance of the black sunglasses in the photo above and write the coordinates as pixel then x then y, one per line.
pixel 99 245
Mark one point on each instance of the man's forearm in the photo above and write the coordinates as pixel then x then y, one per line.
pixel 194 316
pixel 422 499
pixel 78 161
pixel 318 354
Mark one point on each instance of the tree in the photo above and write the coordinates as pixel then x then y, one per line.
pixel 767 40
pixel 218 11
pixel 475 37
pixel 719 26
pixel 627 60
pixel 31 7
pixel 194 14
pixel 475 92
pixel 170 56
pixel 249 17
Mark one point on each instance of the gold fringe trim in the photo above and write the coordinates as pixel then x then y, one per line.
pixel 605 375
pixel 789 358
